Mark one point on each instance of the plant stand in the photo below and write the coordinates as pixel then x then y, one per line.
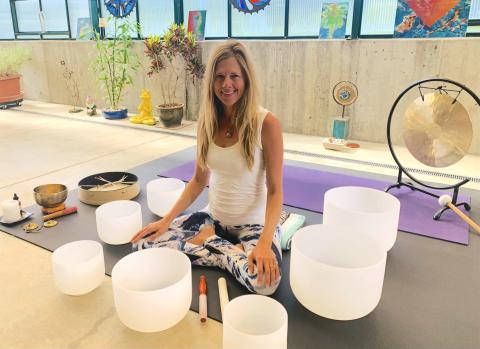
pixel 9 104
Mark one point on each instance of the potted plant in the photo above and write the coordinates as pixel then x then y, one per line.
pixel 11 60
pixel 177 46
pixel 115 65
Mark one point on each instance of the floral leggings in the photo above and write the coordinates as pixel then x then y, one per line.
pixel 218 250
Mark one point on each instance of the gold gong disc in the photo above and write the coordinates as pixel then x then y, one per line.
pixel 437 130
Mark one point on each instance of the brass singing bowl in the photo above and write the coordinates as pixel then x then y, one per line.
pixel 50 195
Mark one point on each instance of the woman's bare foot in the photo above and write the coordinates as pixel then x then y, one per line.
pixel 203 235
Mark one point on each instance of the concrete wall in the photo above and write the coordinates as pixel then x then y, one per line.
pixel 297 77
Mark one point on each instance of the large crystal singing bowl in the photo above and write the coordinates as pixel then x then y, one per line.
pixel 336 274
pixel 363 210
pixel 254 321
pixel 118 221
pixel 152 289
pixel 78 267
pixel 162 194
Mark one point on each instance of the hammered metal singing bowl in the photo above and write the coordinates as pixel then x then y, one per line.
pixel 50 195
pixel 437 130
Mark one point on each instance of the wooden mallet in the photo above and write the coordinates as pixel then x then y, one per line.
pixel 446 200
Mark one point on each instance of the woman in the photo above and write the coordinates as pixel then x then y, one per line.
pixel 240 157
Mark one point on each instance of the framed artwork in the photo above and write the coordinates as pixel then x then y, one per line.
pixel 334 20
pixel 431 18
pixel 84 29
pixel 196 23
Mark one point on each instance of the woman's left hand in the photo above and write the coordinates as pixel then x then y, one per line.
pixel 267 266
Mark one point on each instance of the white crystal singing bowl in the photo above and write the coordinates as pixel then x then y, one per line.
pixel 152 289
pixel 254 321
pixel 118 221
pixel 162 194
pixel 78 267
pixel 363 210
pixel 336 274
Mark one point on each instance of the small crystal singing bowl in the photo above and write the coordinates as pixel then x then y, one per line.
pixel 254 321
pixel 152 289
pixel 50 195
pixel 336 274
pixel 363 210
pixel 118 221
pixel 162 194
pixel 78 267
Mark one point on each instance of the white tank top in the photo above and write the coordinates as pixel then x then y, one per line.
pixel 237 195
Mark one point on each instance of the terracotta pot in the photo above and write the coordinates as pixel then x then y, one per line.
pixel 170 116
pixel 10 88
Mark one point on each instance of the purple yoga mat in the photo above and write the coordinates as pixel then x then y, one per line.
pixel 305 188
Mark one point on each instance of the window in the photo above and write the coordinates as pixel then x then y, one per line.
pixel 378 17
pixel 6 26
pixel 217 16
pixel 268 22
pixel 55 14
pixel 155 16
pixel 77 9
pixel 27 15
pixel 305 17
pixel 475 9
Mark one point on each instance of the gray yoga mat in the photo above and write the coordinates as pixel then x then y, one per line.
pixel 429 299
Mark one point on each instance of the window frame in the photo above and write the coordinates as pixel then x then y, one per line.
pixel 95 9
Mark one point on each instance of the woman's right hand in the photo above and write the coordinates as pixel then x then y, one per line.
pixel 154 230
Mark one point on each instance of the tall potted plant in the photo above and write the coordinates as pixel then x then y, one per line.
pixel 11 60
pixel 177 47
pixel 115 65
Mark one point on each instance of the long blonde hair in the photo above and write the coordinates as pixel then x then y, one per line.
pixel 247 107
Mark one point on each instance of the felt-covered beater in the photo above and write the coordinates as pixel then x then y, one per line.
pixel 446 200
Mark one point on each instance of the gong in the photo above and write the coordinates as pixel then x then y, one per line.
pixel 437 129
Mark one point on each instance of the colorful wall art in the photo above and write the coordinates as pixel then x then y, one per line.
pixel 84 28
pixel 249 6
pixel 334 20
pixel 196 23
pixel 431 18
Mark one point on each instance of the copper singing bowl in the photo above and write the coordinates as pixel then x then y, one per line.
pixel 50 195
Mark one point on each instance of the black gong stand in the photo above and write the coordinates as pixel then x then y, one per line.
pixel 402 170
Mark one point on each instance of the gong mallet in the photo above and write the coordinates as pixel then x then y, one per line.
pixel 446 200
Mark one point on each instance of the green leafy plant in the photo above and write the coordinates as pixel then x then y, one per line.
pixel 12 59
pixel 116 63
pixel 177 47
